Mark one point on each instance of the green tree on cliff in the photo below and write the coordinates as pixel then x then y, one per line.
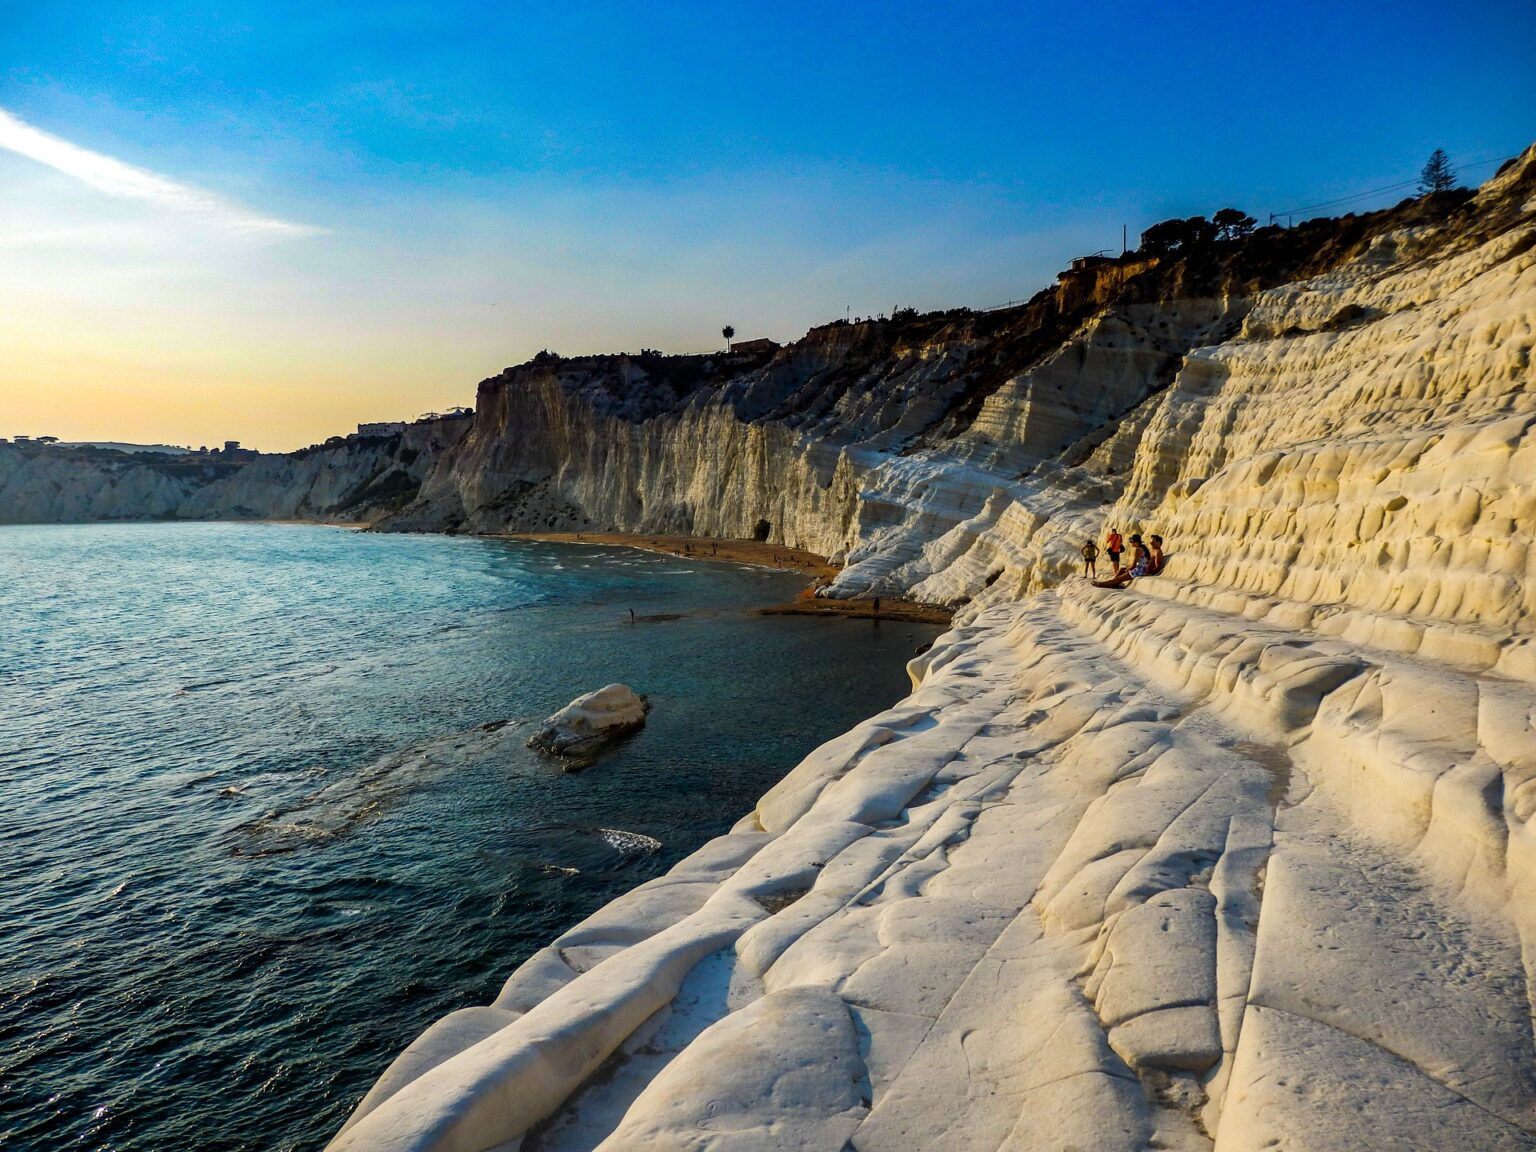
pixel 1169 236
pixel 1437 175
pixel 1233 224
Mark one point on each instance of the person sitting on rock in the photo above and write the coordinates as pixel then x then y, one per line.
pixel 1141 565
pixel 1090 559
pixel 1155 547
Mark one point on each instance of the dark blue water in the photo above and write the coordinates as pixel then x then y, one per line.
pixel 221 918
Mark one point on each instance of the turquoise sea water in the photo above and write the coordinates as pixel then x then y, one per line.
pixel 222 918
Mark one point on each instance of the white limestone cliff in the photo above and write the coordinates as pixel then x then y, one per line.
pixel 355 480
pixel 1241 857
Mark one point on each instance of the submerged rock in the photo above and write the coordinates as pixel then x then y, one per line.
pixel 588 722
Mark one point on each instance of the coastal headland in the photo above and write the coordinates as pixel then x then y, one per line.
pixel 1242 856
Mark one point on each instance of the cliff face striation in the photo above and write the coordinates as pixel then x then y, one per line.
pixel 359 480
pixel 1240 857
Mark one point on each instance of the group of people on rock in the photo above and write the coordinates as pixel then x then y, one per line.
pixel 1146 559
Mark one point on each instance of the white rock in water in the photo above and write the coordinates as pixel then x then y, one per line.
pixel 589 721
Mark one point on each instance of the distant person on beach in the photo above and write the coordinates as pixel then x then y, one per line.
pixel 877 607
pixel 1114 546
pixel 1141 565
pixel 1090 559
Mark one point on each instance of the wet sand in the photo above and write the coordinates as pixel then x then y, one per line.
pixel 700 548
pixel 891 608
pixel 817 569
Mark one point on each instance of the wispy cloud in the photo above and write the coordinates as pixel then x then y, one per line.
pixel 130 183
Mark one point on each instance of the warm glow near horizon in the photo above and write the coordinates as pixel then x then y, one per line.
pixel 251 225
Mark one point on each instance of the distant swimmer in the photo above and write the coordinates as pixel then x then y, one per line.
pixel 1090 559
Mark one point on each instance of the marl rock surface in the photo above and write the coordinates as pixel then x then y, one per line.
pixel 591 720
pixel 361 479
pixel 1242 857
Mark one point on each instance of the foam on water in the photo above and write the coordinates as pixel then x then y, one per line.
pixel 632 842
pixel 264 822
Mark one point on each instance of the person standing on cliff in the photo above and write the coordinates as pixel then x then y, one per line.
pixel 1090 559
pixel 1115 547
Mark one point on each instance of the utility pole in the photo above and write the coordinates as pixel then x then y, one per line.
pixel 1124 247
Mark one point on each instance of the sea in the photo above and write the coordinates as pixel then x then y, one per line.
pixel 268 813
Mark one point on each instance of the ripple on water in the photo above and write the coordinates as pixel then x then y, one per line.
pixel 264 823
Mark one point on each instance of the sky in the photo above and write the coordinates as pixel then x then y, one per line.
pixel 268 221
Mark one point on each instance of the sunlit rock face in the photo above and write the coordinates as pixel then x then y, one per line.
pixel 1240 857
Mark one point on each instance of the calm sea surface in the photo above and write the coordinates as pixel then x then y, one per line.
pixel 227 903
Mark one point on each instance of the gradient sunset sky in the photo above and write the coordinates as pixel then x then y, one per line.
pixel 268 221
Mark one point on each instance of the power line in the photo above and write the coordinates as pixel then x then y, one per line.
pixel 1378 191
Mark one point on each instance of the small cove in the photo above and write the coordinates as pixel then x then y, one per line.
pixel 260 833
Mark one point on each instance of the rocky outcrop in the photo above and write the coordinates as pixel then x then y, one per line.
pixel 590 721
pixel 1240 857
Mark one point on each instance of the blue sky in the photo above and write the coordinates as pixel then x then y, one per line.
pixel 381 203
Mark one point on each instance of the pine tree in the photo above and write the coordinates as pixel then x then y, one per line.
pixel 1233 224
pixel 1437 175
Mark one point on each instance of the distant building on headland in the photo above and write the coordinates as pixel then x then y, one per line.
pixel 381 428
pixel 1083 263
pixel 459 413
pixel 762 344
pixel 231 453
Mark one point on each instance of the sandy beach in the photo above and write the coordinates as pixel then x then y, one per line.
pixel 817 570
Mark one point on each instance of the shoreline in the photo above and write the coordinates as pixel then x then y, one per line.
pixel 891 608
pixel 759 554
pixel 755 553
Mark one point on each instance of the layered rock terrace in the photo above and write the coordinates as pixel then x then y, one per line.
pixel 1241 857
